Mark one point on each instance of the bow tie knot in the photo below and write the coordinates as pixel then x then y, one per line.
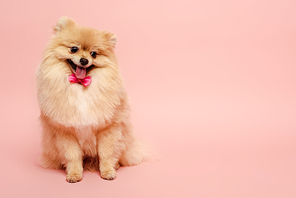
pixel 85 82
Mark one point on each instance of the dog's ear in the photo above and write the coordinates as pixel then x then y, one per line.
pixel 112 38
pixel 63 23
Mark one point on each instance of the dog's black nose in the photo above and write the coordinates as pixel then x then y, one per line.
pixel 83 61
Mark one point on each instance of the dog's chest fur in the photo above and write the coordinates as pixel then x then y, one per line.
pixel 87 140
pixel 83 103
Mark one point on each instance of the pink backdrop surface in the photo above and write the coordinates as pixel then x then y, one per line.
pixel 212 86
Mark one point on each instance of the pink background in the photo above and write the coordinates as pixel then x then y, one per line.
pixel 212 85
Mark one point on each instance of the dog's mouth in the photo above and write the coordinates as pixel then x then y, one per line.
pixel 80 72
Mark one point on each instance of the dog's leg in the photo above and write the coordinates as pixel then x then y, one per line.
pixel 72 155
pixel 109 147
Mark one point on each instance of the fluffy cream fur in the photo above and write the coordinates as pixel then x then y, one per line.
pixel 84 127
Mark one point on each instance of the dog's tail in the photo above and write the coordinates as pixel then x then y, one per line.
pixel 135 153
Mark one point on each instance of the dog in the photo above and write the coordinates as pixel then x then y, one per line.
pixel 84 108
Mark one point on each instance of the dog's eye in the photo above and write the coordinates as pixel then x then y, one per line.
pixel 93 54
pixel 74 49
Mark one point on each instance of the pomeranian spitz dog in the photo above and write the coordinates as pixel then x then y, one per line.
pixel 85 113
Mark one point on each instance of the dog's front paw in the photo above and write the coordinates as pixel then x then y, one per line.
pixel 73 178
pixel 109 175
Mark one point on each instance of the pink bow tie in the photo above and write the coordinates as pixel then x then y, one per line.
pixel 85 82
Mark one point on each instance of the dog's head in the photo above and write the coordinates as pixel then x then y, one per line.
pixel 82 48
